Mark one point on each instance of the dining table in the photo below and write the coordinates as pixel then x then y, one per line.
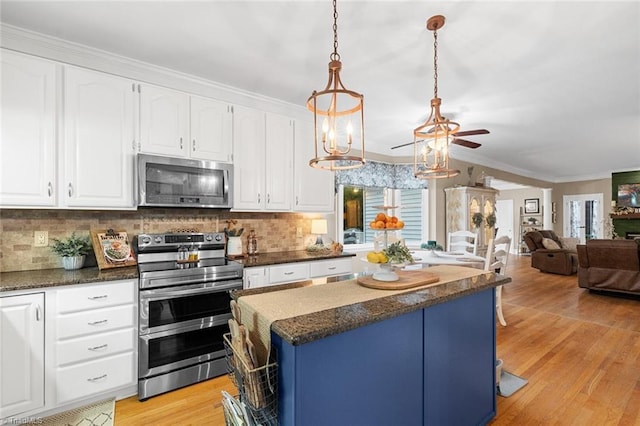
pixel 459 258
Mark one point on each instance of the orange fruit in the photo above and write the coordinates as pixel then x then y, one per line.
pixel 372 224
pixel 379 224
pixel 400 224
pixel 390 225
pixel 394 219
pixel 381 217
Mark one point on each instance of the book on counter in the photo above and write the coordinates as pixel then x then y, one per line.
pixel 112 249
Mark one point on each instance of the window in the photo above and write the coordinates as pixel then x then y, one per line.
pixel 360 205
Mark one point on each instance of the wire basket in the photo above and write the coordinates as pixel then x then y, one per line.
pixel 258 387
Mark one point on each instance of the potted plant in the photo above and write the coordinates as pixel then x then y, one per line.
pixel 477 219
pixel 73 251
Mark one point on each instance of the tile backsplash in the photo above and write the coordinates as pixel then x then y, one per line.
pixel 275 231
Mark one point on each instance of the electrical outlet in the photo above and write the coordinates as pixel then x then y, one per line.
pixel 298 232
pixel 40 239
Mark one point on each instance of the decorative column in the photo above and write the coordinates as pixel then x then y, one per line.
pixel 546 208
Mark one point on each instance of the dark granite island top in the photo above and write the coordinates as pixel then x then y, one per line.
pixel 29 280
pixel 317 325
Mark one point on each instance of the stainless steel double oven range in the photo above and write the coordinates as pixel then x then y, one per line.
pixel 185 281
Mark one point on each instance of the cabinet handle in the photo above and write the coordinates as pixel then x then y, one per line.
pixel 49 189
pixel 95 379
pixel 296 200
pixel 38 312
pixel 97 348
pixel 268 198
pixel 104 321
pixel 180 143
pixel 103 296
pixel 258 198
pixel 194 144
pixel 331 268
pixel 70 189
pixel 288 273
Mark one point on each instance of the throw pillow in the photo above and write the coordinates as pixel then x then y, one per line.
pixel 549 244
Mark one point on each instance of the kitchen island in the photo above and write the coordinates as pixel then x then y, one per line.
pixel 412 357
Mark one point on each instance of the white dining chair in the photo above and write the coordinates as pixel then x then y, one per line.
pixel 462 241
pixel 496 261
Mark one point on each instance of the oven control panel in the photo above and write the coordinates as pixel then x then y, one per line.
pixel 158 241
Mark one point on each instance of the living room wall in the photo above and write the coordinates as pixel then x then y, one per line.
pixel 622 224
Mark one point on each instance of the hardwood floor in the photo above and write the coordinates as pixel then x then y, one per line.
pixel 579 351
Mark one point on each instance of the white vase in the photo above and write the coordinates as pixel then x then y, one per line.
pixel 234 246
pixel 73 262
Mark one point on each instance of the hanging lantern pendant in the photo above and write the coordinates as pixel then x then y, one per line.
pixel 338 118
pixel 431 139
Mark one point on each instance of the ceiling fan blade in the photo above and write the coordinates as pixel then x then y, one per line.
pixel 405 144
pixel 472 132
pixel 466 143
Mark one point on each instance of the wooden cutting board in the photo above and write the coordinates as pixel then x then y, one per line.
pixel 407 279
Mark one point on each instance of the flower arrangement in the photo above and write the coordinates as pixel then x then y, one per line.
pixel 477 219
pixel 491 220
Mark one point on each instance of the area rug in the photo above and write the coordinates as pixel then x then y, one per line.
pixel 101 413
pixel 510 383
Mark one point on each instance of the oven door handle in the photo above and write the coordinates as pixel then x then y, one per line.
pixel 177 280
pixel 163 293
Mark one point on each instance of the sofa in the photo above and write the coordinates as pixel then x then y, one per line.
pixel 552 254
pixel 610 265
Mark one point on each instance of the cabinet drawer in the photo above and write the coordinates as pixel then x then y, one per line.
pixel 89 378
pixel 325 268
pixel 95 321
pixel 92 347
pixel 288 272
pixel 96 296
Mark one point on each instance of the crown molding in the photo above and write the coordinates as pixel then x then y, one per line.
pixel 70 53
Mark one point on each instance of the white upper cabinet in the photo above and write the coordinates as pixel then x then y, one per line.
pixel 164 121
pixel 99 143
pixel 313 188
pixel 278 162
pixel 176 124
pixel 249 159
pixel 211 130
pixel 28 131
pixel 263 161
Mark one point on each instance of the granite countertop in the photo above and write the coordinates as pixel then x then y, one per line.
pixel 308 328
pixel 274 258
pixel 27 280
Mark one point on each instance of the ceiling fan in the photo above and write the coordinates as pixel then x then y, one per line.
pixel 456 140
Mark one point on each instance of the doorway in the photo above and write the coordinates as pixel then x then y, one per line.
pixel 504 222
pixel 583 216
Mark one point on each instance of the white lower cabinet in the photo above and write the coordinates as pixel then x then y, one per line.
pixel 261 276
pixel 22 381
pixel 95 339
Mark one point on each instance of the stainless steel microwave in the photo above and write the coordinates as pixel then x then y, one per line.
pixel 182 182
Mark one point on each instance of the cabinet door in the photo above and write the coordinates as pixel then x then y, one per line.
pixel 279 162
pixel 313 188
pixel 248 161
pixel 164 121
pixel 98 141
pixel 211 130
pixel 21 354
pixel 255 277
pixel 28 131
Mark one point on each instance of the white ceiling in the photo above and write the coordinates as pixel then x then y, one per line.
pixel 557 83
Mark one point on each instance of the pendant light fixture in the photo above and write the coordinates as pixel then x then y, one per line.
pixel 431 139
pixel 338 118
